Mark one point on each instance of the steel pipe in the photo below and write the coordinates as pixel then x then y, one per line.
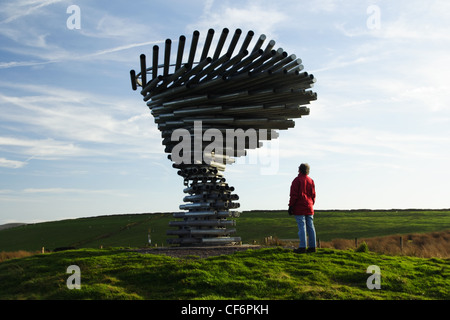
pixel 223 37
pixel 150 86
pixel 143 70
pixel 270 46
pixel 194 232
pixel 217 240
pixel 167 57
pixel 207 44
pixel 247 40
pixel 155 61
pixel 193 49
pixel 196 214
pixel 181 43
pixel 133 80
pixel 185 77
pixel 203 223
pixel 254 55
pixel 209 69
pixel 226 65
pixel 259 42
pixel 280 54
pixel 173 78
pixel 198 205
pixel 234 40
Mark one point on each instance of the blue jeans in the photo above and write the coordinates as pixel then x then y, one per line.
pixel 306 227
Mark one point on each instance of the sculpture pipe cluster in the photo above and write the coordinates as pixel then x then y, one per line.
pixel 231 86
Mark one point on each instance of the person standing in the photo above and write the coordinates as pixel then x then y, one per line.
pixel 301 204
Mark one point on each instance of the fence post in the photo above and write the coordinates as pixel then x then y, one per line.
pixel 401 244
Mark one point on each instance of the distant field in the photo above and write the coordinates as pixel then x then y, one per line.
pixel 131 230
pixel 344 224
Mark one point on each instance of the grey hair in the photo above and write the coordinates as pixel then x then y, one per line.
pixel 304 168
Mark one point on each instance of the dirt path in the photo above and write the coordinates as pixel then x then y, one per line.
pixel 201 252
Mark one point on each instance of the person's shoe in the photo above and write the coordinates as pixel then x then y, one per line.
pixel 300 250
pixel 310 250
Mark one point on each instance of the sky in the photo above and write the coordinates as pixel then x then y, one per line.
pixel 77 141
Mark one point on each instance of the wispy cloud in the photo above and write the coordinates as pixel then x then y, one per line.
pixel 43 148
pixel 11 163
pixel 79 124
pixel 261 17
pixel 72 191
pixel 19 9
pixel 39 44
pixel 63 56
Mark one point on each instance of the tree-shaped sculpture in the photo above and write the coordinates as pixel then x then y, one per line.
pixel 210 111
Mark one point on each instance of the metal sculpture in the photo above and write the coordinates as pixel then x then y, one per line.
pixel 256 91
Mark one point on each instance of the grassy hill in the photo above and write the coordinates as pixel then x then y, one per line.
pixel 269 273
pixel 131 230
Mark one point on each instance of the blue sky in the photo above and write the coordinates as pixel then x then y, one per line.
pixel 76 141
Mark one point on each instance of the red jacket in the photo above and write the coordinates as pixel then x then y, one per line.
pixel 303 195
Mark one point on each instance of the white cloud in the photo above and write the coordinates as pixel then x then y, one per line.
pixel 14 164
pixel 261 17
pixel 72 191
pixel 76 123
pixel 36 38
pixel 58 55
pixel 43 148
pixel 19 9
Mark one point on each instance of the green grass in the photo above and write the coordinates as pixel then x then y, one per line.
pixel 109 231
pixel 132 229
pixel 343 224
pixel 270 273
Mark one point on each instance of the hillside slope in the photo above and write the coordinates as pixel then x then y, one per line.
pixel 132 230
pixel 10 225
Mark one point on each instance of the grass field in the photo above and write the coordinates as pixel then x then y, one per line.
pixel 268 273
pixel 271 273
pixel 131 230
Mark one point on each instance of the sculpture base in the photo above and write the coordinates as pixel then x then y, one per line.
pixel 208 205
